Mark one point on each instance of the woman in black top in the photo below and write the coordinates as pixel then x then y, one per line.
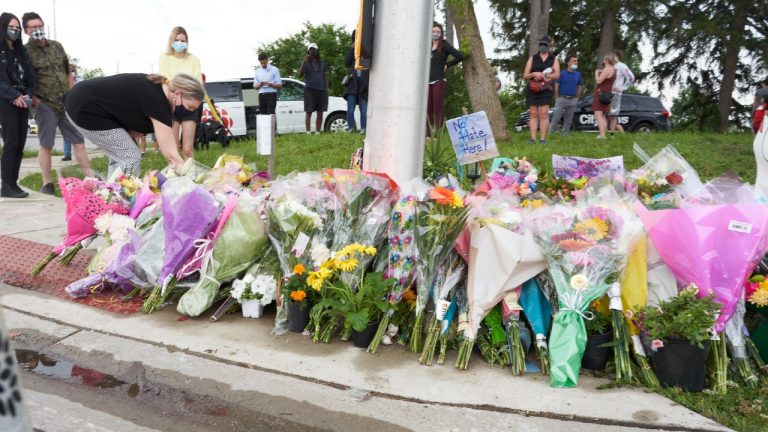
pixel 17 85
pixel 112 111
pixel 439 63
pixel 541 67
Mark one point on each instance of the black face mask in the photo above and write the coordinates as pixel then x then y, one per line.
pixel 181 112
pixel 312 52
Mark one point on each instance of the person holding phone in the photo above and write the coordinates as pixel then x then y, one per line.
pixel 17 85
pixel 268 82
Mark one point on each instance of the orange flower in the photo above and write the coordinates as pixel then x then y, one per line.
pixel 573 244
pixel 445 196
pixel 298 296
pixel 299 269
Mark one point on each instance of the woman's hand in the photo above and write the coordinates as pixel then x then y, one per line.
pixel 538 76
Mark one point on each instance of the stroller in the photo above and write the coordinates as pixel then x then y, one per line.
pixel 211 129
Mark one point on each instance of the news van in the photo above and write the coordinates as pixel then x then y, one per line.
pixel 237 102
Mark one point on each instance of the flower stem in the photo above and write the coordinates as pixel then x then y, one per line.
pixel 542 353
pixel 44 262
pixel 414 342
pixel 383 324
pixel 465 351
pixel 226 307
pixel 754 353
pixel 69 255
pixel 157 298
pixel 443 348
pixel 328 330
pixel 134 292
pixel 646 373
pixel 719 365
pixel 428 353
pixel 621 348
pixel 517 358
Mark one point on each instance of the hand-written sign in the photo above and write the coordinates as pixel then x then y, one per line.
pixel 472 138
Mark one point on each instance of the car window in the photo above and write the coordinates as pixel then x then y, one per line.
pixel 292 91
pixel 628 103
pixel 649 103
pixel 224 91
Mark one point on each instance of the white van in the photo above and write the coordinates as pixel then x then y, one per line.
pixel 237 102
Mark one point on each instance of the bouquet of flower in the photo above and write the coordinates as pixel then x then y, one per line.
pixel 364 205
pixel 401 258
pixel 86 200
pixel 586 245
pixel 517 174
pixel 714 246
pixel 575 167
pixel 297 212
pixel 666 170
pixel 228 173
pixel 189 213
pixel 502 256
pixel 438 222
pixel 450 277
pixel 538 311
pixel 241 242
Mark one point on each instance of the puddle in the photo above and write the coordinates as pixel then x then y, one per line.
pixel 43 364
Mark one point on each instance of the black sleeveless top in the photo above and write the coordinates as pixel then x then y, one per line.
pixel 538 65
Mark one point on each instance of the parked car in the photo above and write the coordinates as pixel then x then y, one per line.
pixel 639 113
pixel 238 104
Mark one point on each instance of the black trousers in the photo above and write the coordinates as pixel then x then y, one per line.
pixel 267 103
pixel 15 122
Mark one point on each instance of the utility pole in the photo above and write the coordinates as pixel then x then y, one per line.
pixel 55 27
pixel 397 108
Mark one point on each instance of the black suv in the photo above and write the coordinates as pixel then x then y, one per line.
pixel 639 113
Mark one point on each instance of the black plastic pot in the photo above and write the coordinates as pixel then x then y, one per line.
pixel 596 358
pixel 680 364
pixel 363 339
pixel 298 318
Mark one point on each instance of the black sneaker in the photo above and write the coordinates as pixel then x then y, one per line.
pixel 12 191
pixel 66 158
pixel 48 189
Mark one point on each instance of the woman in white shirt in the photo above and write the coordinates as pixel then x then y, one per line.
pixel 174 61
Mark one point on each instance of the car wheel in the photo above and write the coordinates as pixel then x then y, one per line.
pixel 644 127
pixel 336 123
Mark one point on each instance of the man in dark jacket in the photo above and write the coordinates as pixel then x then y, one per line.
pixel 356 92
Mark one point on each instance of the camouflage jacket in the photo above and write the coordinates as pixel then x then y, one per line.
pixel 51 67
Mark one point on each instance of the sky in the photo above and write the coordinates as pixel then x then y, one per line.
pixel 128 36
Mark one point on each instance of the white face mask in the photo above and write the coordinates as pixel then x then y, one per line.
pixel 38 34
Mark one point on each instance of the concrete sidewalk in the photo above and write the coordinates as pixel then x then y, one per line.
pixel 316 385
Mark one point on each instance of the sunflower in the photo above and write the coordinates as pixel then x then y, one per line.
pixel 593 229
pixel 348 264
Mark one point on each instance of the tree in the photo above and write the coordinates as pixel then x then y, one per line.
pixel 539 20
pixel 86 73
pixel 478 73
pixel 334 41
pixel 713 42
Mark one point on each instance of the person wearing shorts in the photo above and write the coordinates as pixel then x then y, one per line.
pixel 314 70
pixel 53 81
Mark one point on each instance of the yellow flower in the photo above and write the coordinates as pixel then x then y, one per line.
pixel 594 229
pixel 299 269
pixel 315 280
pixel 370 250
pixel 408 295
pixel 298 296
pixel 348 265
pixel 760 297
pixel 533 203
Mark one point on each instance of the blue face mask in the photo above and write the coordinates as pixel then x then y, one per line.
pixel 575 66
pixel 179 46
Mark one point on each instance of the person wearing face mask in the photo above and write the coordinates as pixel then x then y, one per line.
pixel 604 78
pixel 17 85
pixel 112 111
pixel 541 68
pixel 53 81
pixel 315 73
pixel 68 145
pixel 174 61
pixel 568 89
pixel 438 64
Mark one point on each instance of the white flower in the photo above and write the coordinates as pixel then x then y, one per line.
pixel 319 253
pixel 248 279
pixel 115 226
pixel 238 288
pixel 511 218
pixel 266 286
pixel 298 208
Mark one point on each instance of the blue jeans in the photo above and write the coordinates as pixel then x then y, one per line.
pixel 67 149
pixel 352 101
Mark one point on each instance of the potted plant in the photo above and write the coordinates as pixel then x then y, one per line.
pixel 679 330
pixel 295 293
pixel 253 293
pixel 598 334
pixel 757 314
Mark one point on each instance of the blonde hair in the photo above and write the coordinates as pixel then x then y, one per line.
pixel 611 58
pixel 172 38
pixel 184 83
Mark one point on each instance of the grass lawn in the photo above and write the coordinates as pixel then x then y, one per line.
pixel 710 154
